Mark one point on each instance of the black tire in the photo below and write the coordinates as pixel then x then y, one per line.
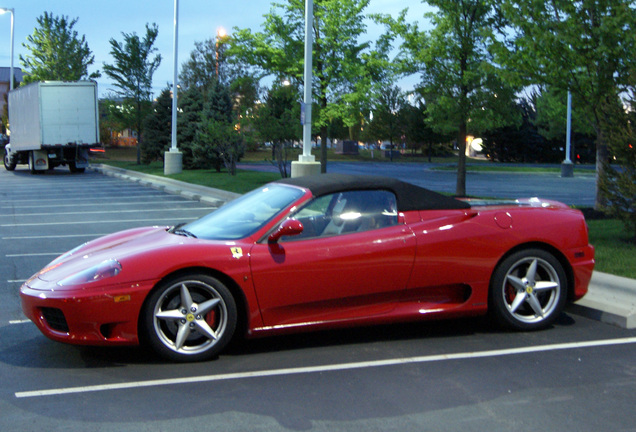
pixel 190 318
pixel 72 166
pixel 528 290
pixel 9 166
pixel 32 164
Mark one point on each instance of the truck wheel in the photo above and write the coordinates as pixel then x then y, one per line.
pixel 8 164
pixel 32 163
pixel 74 169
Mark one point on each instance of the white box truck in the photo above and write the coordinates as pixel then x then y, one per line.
pixel 52 123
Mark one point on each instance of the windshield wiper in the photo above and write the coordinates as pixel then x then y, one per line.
pixel 180 231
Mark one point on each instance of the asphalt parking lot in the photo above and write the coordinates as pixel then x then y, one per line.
pixel 449 375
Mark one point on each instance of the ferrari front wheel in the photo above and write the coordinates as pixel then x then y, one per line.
pixel 528 290
pixel 191 318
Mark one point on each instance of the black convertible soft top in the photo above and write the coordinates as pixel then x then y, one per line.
pixel 409 196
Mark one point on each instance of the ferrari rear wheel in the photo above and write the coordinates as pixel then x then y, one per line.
pixel 191 318
pixel 528 290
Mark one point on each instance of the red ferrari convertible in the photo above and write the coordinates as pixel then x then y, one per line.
pixel 313 253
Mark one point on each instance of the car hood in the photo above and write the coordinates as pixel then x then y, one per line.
pixel 122 247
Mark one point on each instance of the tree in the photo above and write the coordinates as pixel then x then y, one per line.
pixel 190 107
pixel 338 64
pixel 277 122
pixel 132 71
pixel 619 185
pixel 217 140
pixel 109 121
pixel 551 122
pixel 459 83
pixel 210 62
pixel 387 109
pixel 205 65
pixel 56 52
pixel 522 143
pixel 585 47
pixel 157 128
pixel 419 133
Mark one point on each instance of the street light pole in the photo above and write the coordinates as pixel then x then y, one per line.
pixel 567 167
pixel 12 11
pixel 173 159
pixel 306 164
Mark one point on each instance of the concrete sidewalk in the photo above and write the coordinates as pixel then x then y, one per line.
pixel 610 299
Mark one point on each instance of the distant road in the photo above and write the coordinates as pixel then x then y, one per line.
pixel 578 190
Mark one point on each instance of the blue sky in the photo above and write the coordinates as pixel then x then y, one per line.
pixel 101 20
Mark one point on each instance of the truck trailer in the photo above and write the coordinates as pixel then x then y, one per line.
pixel 52 123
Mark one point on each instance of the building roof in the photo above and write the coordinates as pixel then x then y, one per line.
pixel 5 71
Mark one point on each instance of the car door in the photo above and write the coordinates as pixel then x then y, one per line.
pixel 352 260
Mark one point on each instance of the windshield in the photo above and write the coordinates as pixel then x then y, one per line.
pixel 245 215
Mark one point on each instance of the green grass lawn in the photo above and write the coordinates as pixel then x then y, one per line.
pixel 614 253
pixel 244 181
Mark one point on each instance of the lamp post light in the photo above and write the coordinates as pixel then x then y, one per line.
pixel 173 159
pixel 12 11
pixel 220 34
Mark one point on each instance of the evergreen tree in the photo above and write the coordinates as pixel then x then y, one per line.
pixel 190 107
pixel 157 128
pixel 217 141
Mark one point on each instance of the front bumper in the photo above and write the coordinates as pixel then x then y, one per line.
pixel 81 316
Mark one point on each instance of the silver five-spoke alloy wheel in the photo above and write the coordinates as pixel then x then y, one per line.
pixel 190 318
pixel 528 290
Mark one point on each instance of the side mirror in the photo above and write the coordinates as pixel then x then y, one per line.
pixel 289 227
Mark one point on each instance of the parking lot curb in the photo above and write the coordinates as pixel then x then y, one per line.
pixel 610 299
pixel 207 195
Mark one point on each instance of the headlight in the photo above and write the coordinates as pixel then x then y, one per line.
pixel 103 270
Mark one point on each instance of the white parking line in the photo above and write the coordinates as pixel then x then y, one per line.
pixel 105 212
pixel 52 236
pixel 93 204
pixel 40 201
pixel 96 222
pixel 34 254
pixel 324 368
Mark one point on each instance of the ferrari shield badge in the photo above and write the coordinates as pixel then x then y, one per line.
pixel 237 252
